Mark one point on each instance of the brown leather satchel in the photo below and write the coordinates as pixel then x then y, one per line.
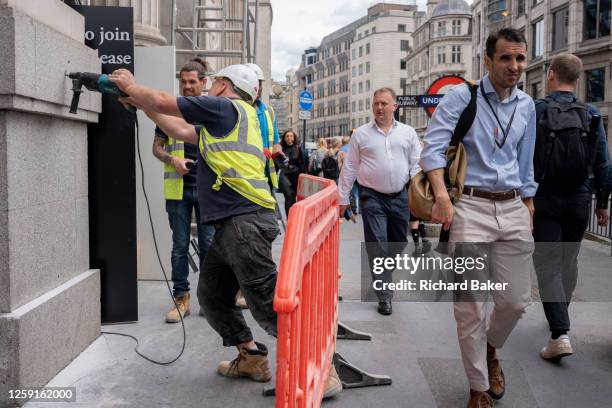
pixel 420 193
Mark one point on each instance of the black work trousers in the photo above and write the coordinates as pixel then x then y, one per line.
pixel 559 222
pixel 240 257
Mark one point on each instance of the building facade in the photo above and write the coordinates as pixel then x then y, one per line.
pixel 553 27
pixel 378 55
pixel 442 45
pixel 350 63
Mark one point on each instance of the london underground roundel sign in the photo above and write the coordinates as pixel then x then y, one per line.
pixel 439 86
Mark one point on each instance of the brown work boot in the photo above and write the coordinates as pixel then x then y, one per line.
pixel 333 386
pixel 183 305
pixel 479 399
pixel 497 380
pixel 249 363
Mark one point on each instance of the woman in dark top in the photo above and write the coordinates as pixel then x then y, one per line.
pixel 298 163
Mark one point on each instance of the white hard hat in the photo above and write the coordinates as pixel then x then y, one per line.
pixel 243 78
pixel 258 71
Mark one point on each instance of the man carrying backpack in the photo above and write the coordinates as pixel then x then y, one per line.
pixel 571 151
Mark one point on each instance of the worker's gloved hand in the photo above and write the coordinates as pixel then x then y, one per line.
pixel 267 153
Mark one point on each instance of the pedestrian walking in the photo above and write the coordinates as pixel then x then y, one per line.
pixel 382 155
pixel 571 162
pixel 496 205
pixel 297 164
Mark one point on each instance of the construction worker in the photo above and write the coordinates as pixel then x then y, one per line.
pixel 269 138
pixel 181 193
pixel 232 183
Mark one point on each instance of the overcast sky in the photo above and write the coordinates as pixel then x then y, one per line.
pixel 299 24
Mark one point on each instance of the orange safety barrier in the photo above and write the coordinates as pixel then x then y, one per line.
pixel 306 298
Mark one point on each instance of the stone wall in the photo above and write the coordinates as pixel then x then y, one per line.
pixel 49 299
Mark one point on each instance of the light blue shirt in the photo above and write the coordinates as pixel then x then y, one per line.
pixel 263 124
pixel 490 168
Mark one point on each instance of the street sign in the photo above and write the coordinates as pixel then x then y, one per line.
pixel 436 87
pixel 304 114
pixel 305 100
pixel 407 101
pixel 418 101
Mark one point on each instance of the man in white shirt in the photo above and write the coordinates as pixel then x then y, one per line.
pixel 382 156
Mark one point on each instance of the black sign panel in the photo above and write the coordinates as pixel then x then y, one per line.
pixel 112 181
pixel 407 101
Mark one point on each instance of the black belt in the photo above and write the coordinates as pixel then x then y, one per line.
pixel 391 195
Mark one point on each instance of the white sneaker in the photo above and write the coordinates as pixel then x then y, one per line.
pixel 557 348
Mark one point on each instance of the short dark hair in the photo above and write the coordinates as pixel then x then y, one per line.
pixel 508 34
pixel 198 65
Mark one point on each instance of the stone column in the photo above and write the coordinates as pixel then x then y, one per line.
pixel 146 19
pixel 49 298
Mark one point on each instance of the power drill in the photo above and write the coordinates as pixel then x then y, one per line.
pixel 93 82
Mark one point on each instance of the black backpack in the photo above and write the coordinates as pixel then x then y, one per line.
pixel 565 144
pixel 330 167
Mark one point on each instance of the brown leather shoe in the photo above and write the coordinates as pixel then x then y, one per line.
pixel 497 380
pixel 479 399
pixel 249 363
pixel 183 305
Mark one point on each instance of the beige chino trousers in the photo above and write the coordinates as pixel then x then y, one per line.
pixel 507 225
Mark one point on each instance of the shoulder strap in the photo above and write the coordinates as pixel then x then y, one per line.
pixel 467 116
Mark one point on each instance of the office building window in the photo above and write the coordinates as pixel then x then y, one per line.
pixel 401 28
pixel 367 67
pixel 595 84
pixel 456 27
pixel 456 54
pixel 596 18
pixel 403 65
pixel 360 69
pixel 404 44
pixel 367 105
pixel 367 48
pixel 441 28
pixel 520 7
pixel 367 85
pixel 354 72
pixel 536 90
pixel 423 62
pixel 360 51
pixel 441 52
pixel 354 107
pixel 538 38
pixel 361 87
pixel 354 53
pixel 360 107
pixel 560 20
pixel 373 29
pixel 354 89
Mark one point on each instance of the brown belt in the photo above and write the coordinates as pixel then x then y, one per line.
pixel 503 196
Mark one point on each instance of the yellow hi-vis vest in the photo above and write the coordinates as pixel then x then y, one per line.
pixel 269 112
pixel 237 159
pixel 173 182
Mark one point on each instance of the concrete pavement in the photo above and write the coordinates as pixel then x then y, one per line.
pixel 416 346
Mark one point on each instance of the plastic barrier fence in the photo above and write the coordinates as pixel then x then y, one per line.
pixel 306 298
